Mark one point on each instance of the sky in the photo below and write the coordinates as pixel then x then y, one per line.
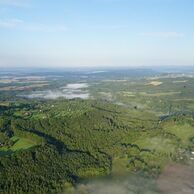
pixel 72 33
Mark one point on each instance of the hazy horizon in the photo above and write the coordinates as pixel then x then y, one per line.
pixel 96 33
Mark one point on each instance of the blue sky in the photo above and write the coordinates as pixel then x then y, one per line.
pixel 70 33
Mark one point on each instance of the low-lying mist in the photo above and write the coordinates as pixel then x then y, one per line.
pixel 70 91
pixel 118 185
pixel 175 179
pixel 49 94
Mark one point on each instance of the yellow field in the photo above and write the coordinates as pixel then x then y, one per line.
pixel 155 83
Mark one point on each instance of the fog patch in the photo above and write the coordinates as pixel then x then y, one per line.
pixel 177 179
pixel 56 94
pixel 129 185
pixel 70 91
pixel 76 86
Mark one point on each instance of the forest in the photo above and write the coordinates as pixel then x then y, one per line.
pixel 53 145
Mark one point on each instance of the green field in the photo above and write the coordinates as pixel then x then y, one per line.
pixel 19 145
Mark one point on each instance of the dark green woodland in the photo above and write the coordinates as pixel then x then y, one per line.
pixel 120 125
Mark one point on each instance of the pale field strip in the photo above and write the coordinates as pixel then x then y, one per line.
pixel 132 94
pixel 180 81
pixel 7 81
pixel 184 99
pixel 22 79
pixel 9 88
pixel 154 81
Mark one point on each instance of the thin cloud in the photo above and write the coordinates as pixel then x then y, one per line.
pixel 16 3
pixel 21 25
pixel 163 34
pixel 45 28
pixel 110 27
pixel 10 23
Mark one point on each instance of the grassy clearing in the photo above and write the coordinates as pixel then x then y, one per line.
pixel 157 143
pixel 4 103
pixel 39 115
pixel 119 165
pixel 20 144
pixel 184 132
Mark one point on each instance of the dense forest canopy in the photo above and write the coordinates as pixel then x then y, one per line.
pixel 126 127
